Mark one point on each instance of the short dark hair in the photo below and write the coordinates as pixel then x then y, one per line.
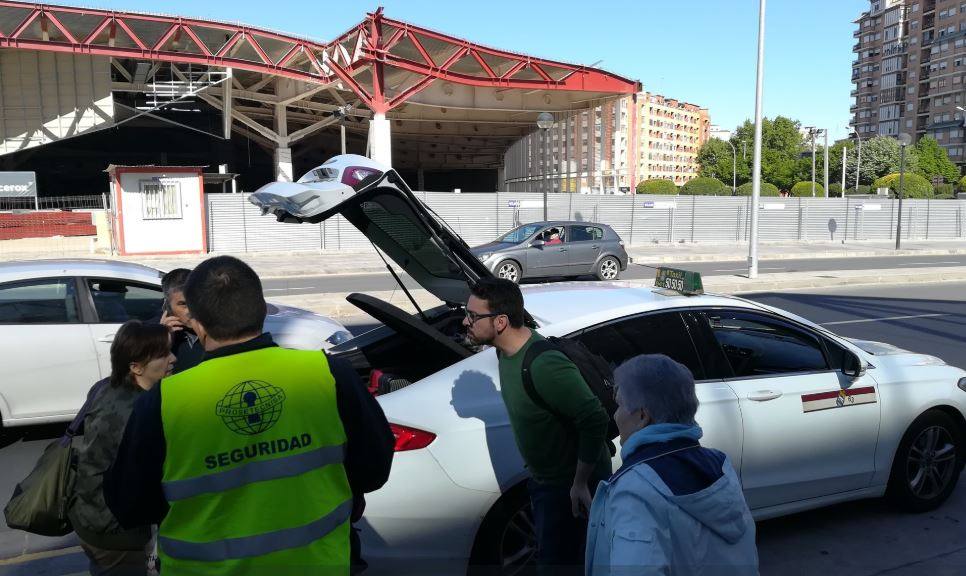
pixel 225 295
pixel 136 342
pixel 502 297
pixel 174 281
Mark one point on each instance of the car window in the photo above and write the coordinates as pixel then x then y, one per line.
pixel 520 234
pixel 760 345
pixel 117 301
pixel 585 233
pixel 553 235
pixel 48 301
pixel 663 333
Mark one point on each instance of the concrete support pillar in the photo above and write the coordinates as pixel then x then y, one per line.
pixel 420 180
pixel 283 164
pixel 501 179
pixel 380 141
pixel 226 108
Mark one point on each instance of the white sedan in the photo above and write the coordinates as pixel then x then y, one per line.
pixel 58 319
pixel 807 417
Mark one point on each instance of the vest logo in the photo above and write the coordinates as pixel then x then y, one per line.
pixel 251 407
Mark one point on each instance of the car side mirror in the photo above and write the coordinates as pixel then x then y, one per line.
pixel 853 366
pixel 537 244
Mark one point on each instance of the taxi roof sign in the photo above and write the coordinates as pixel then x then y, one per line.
pixel 681 281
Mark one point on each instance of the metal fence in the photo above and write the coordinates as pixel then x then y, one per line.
pixel 101 202
pixel 235 225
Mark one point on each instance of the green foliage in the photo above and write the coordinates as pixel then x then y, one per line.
pixel 702 186
pixel 962 184
pixel 802 189
pixel 933 161
pixel 766 189
pixel 835 190
pixel 944 190
pixel 914 185
pixel 715 160
pixel 880 156
pixel 657 186
pixel 863 189
pixel 781 147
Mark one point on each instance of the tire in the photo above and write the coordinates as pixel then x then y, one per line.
pixel 927 463
pixel 506 543
pixel 509 270
pixel 608 269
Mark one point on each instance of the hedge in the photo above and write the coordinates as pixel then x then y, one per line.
pixel 962 184
pixel 705 187
pixel 914 185
pixel 835 190
pixel 766 189
pixel 657 186
pixel 802 189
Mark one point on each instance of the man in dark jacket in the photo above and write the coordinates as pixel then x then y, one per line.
pixel 184 342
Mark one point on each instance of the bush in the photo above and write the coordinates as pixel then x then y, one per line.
pixel 962 184
pixel 914 186
pixel 766 189
pixel 835 190
pixel 657 186
pixel 802 189
pixel 944 190
pixel 863 189
pixel 705 187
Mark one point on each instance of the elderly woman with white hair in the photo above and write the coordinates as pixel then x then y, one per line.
pixel 673 507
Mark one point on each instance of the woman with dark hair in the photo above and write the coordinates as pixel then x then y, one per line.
pixel 140 357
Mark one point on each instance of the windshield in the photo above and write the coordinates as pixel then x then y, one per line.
pixel 520 234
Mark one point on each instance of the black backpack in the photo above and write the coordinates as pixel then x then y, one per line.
pixel 596 371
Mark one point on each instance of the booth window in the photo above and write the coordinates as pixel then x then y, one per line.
pixel 161 200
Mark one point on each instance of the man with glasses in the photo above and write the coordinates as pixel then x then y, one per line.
pixel 565 450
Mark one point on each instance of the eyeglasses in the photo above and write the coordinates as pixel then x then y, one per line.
pixel 475 317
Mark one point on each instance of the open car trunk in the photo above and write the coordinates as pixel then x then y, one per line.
pixel 383 207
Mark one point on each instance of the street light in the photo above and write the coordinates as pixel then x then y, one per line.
pixel 904 140
pixel 858 160
pixel 756 171
pixel 734 168
pixel 545 123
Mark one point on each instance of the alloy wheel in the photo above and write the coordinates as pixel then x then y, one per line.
pixel 518 542
pixel 509 271
pixel 931 463
pixel 609 269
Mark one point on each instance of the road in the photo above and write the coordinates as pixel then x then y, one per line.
pixel 859 538
pixel 639 271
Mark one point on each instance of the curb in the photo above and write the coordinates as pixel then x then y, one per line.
pixel 793 256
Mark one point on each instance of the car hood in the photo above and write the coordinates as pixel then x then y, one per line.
pixel 490 247
pixel 387 212
pixel 894 355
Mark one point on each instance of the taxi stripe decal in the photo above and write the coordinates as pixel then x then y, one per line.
pixel 838 399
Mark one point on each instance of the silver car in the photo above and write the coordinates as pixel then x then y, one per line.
pixel 557 248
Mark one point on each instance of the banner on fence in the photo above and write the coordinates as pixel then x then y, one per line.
pixel 18 184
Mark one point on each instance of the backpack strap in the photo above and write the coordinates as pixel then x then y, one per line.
pixel 535 350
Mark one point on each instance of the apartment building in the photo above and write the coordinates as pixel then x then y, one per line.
pixel 909 71
pixel 611 147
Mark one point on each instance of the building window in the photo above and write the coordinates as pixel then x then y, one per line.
pixel 160 200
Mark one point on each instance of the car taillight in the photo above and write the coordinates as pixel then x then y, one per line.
pixel 352 175
pixel 410 438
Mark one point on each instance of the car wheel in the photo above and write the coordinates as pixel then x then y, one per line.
pixel 509 270
pixel 608 269
pixel 506 543
pixel 927 464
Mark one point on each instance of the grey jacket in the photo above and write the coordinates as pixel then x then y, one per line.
pixel 94 452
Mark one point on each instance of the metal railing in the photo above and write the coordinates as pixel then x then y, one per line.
pixel 101 202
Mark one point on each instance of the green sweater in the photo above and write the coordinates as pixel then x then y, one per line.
pixel 549 449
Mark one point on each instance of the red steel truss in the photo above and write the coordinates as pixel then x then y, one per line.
pixel 361 59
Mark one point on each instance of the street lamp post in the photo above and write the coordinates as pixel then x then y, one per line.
pixel 825 130
pixel 858 160
pixel 904 140
pixel 734 168
pixel 756 170
pixel 545 122
pixel 813 132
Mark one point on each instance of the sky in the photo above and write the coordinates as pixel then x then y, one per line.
pixel 699 51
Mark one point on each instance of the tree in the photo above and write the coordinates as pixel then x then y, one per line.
pixel 702 186
pixel 913 185
pixel 962 184
pixel 781 150
pixel 657 186
pixel 803 189
pixel 934 161
pixel 835 190
pixel 880 156
pixel 766 189
pixel 715 160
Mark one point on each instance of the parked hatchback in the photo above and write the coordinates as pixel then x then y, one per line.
pixel 558 248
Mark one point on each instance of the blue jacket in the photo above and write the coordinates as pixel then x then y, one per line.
pixel 672 508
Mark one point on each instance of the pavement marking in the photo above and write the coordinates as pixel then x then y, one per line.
pixel 882 319
pixel 745 269
pixel 40 556
pixel 926 263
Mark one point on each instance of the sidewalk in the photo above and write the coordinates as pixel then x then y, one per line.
pixel 295 264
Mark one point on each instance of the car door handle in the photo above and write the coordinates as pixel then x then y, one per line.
pixel 107 339
pixel 764 395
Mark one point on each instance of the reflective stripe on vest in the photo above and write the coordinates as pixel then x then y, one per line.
pixel 260 544
pixel 254 472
